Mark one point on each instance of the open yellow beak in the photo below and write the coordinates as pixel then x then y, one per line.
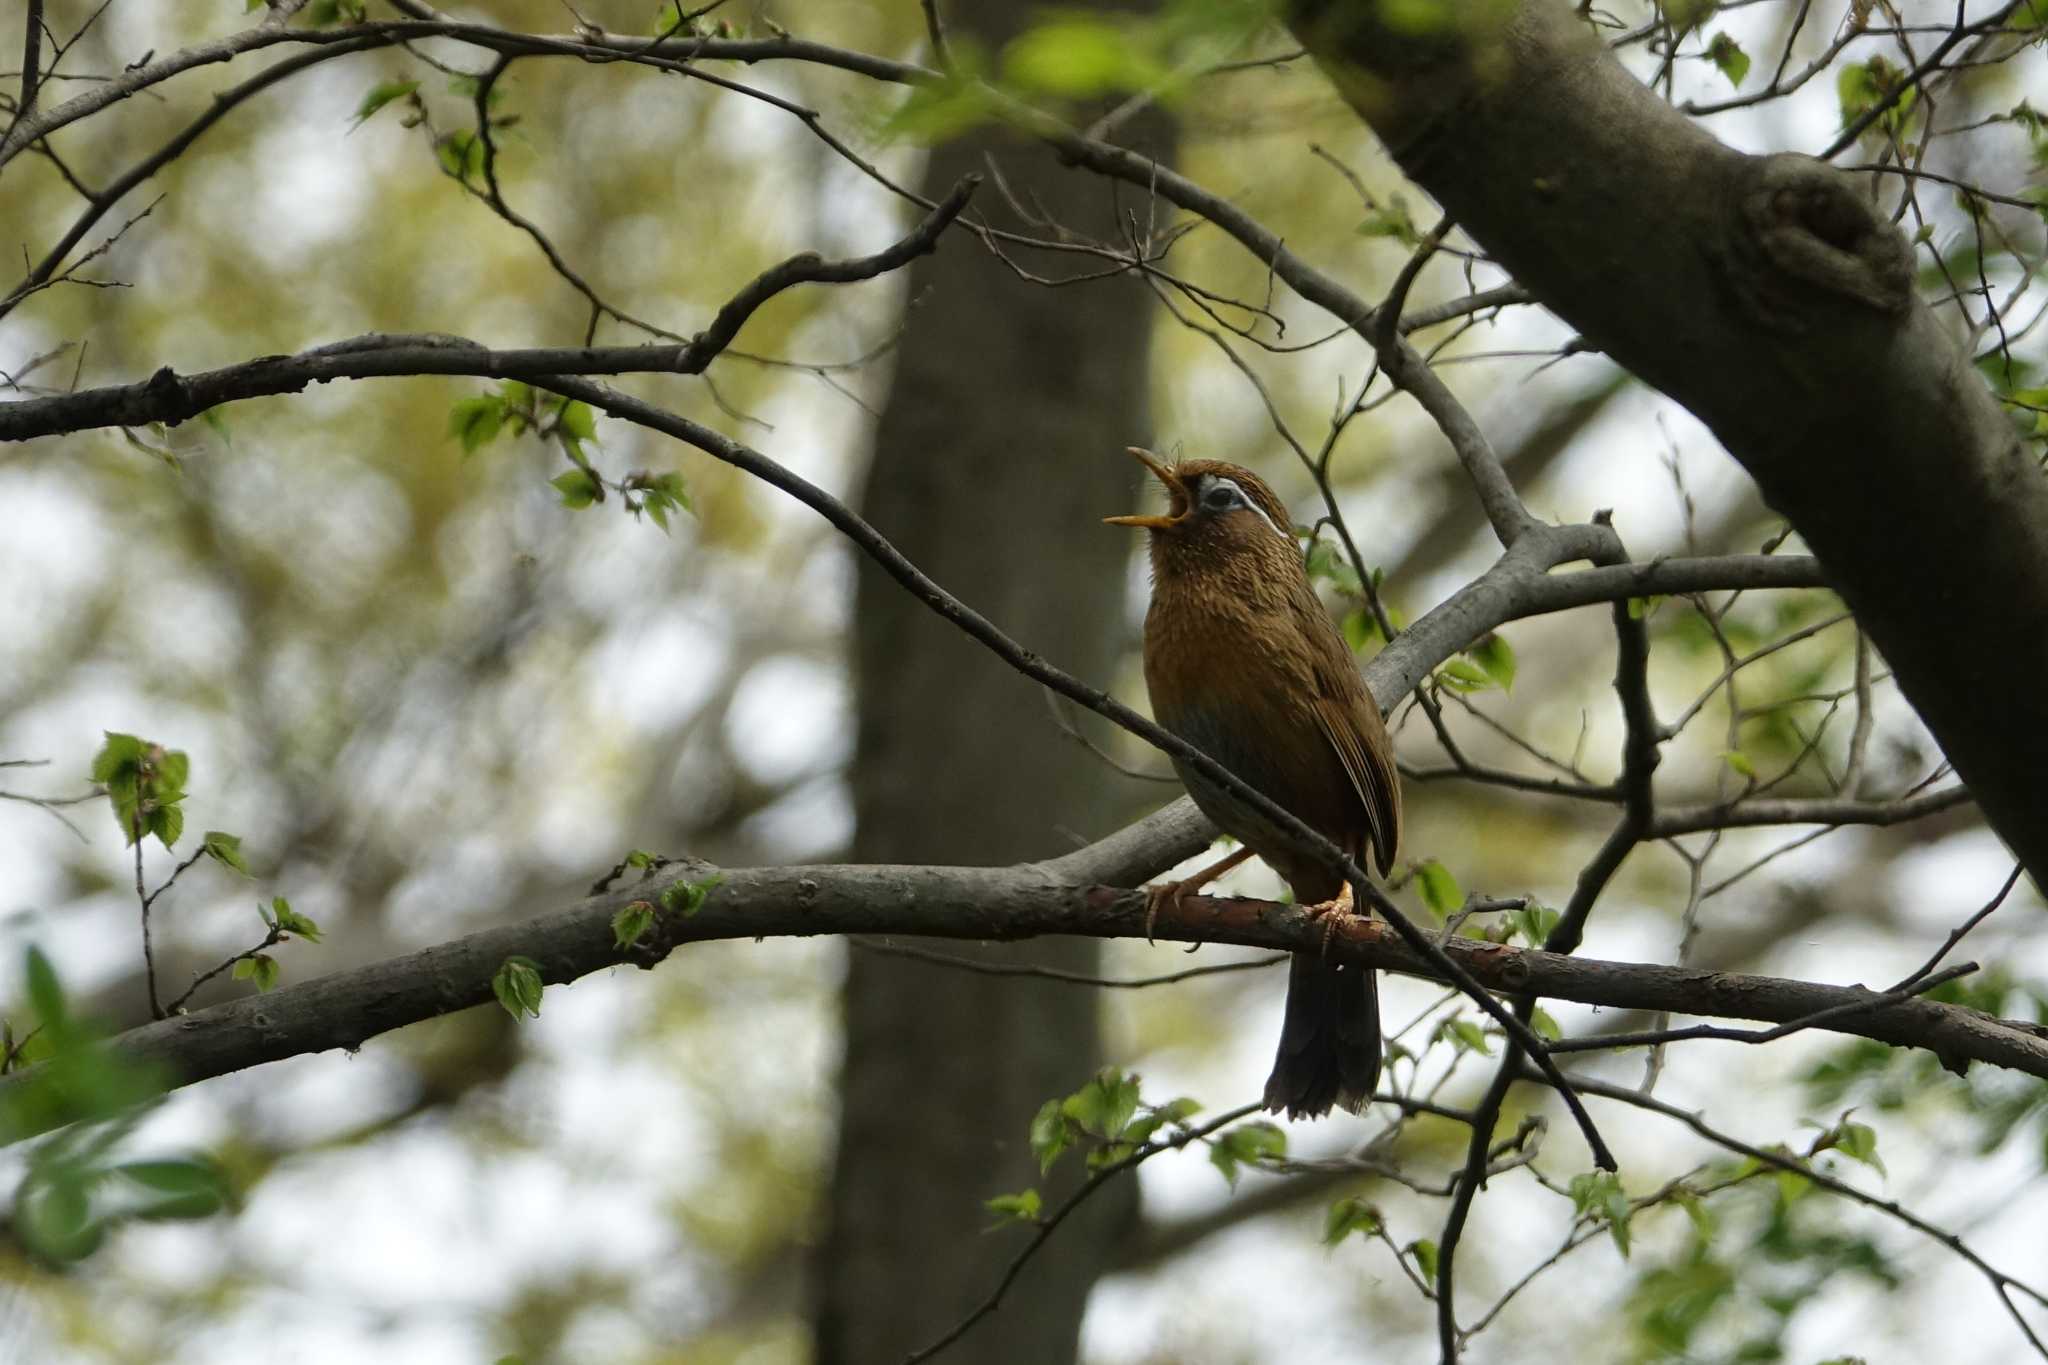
pixel 1176 512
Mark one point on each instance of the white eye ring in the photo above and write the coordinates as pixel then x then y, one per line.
pixel 1235 498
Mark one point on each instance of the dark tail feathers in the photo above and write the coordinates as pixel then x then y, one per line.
pixel 1330 1044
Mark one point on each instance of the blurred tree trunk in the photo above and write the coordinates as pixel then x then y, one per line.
pixel 999 452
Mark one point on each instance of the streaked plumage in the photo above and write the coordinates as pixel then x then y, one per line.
pixel 1242 661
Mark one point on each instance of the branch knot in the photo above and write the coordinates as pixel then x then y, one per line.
pixel 1804 226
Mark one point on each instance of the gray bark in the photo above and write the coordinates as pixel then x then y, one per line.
pixel 1076 895
pixel 1770 297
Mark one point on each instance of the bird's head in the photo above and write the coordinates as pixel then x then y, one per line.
pixel 1217 514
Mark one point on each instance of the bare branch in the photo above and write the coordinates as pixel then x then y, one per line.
pixel 169 397
pixel 345 1009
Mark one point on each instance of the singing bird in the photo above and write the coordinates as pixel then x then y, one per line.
pixel 1242 662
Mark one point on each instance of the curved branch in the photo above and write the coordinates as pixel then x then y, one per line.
pixel 346 1009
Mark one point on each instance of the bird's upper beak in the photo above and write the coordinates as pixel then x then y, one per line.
pixel 1177 510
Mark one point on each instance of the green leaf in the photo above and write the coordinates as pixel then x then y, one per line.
pixel 144 783
pixel 687 898
pixel 1739 761
pixel 1534 922
pixel 291 921
pixel 467 86
pixel 1598 1195
pixel 1424 1252
pixel 1639 607
pixel 167 822
pixel 1052 1132
pixel 118 757
pixel 658 496
pixel 1496 660
pixel 1247 1143
pixel 176 1188
pixel 1440 890
pixel 45 995
pixel 1858 1142
pixel 327 13
pixel 1156 1116
pixel 1347 1216
pixel 1021 1207
pixel 226 849
pixel 937 111
pixel 517 985
pixel 1106 1105
pixel 1326 563
pixel 1861 85
pixel 54 1218
pixel 260 968
pixel 1696 1209
pixel 1543 1026
pixel 461 155
pixel 379 96
pixel 1686 15
pixel 631 923
pixel 476 421
pixel 1465 1035
pixel 670 20
pixel 1728 58
pixel 1360 629
pixel 575 419
pixel 1080 56
pixel 578 487
pixel 1391 219
pixel 1462 676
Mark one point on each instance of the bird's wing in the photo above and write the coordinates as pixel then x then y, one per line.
pixel 1361 744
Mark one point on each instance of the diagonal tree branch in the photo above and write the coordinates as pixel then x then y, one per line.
pixel 1622 216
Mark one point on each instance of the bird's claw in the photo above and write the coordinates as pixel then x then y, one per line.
pixel 1331 912
pixel 1174 892
pixel 1167 893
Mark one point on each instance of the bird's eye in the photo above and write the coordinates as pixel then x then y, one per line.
pixel 1221 497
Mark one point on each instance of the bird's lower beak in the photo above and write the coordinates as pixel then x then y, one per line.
pixel 1175 513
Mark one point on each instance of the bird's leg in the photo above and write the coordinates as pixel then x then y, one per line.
pixel 1331 912
pixel 1170 893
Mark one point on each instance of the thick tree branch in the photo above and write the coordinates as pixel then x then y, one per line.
pixel 346 1009
pixel 1772 299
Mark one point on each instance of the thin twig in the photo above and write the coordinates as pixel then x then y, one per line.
pixel 1048 1225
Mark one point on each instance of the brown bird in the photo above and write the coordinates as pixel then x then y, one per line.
pixel 1242 662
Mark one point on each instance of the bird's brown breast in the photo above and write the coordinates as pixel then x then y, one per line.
pixel 1231 662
